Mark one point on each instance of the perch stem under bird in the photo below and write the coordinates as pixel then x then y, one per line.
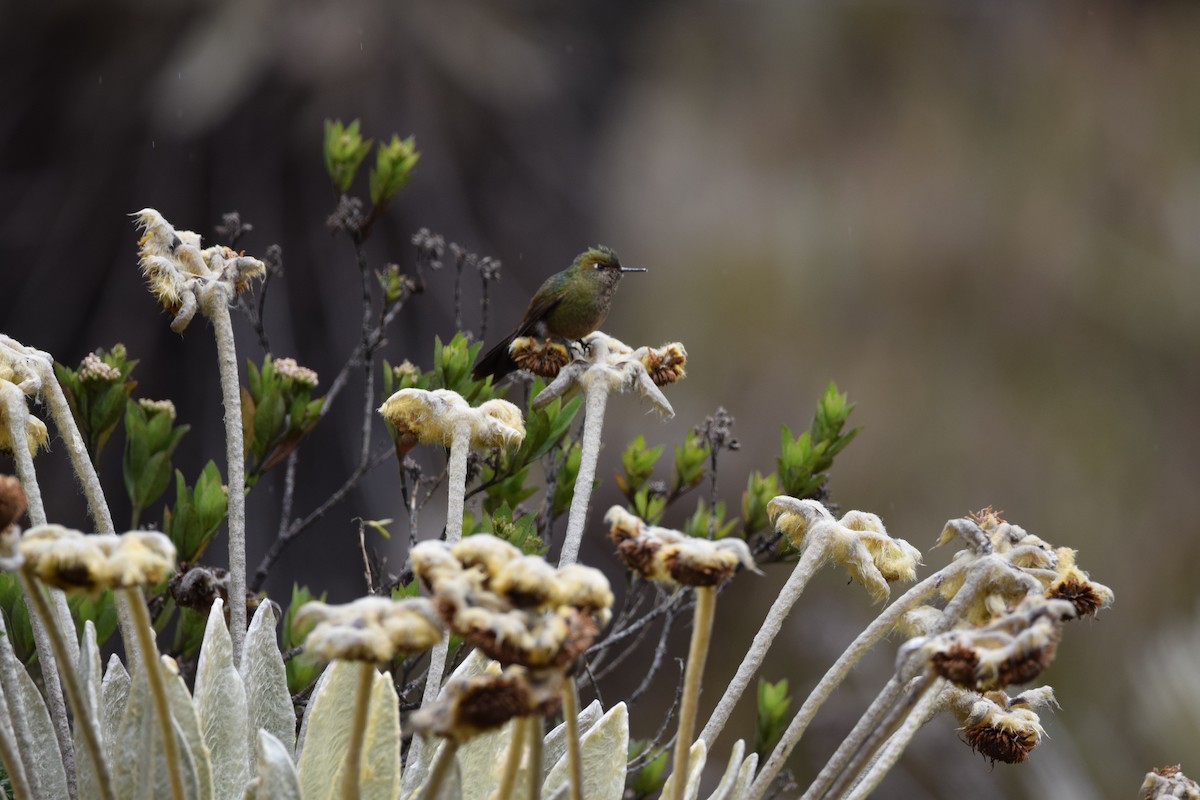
pixel 569 305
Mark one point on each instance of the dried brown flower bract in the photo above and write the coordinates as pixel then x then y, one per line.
pixel 12 500
pixel 669 556
pixel 542 357
pixel 1168 782
pixel 515 608
pixel 472 706
pixel 999 727
pixel 665 364
pixel 1015 649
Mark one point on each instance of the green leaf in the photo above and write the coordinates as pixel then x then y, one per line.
pixel 393 167
pixel 691 459
pixel 773 706
pixel 268 420
pixel 344 151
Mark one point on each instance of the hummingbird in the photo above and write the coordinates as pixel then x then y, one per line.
pixel 569 305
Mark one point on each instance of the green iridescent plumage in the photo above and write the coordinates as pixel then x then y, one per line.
pixel 569 305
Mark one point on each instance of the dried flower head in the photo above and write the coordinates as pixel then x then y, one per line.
pixel 20 365
pixel 70 560
pixel 669 556
pixel 177 269
pixel 1168 782
pixel 1074 585
pixel 12 500
pixel 544 357
pixel 515 608
pixel 859 542
pixel 289 369
pixel 470 706
pixel 665 364
pixel 998 727
pixel 1013 650
pixel 375 629
pixel 610 363
pixel 432 417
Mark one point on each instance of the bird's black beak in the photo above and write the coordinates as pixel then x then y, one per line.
pixel 633 269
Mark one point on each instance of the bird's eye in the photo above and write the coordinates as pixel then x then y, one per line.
pixel 598 265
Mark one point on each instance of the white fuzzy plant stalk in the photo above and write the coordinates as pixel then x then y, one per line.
pixel 607 366
pixel 186 278
pixel 85 721
pixel 706 603
pixel 215 305
pixel 22 429
pixel 40 373
pixel 445 417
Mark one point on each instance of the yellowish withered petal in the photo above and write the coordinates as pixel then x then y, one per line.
pixel 489 552
pixel 37 437
pixel 68 559
pixel 859 542
pixel 795 518
pixel 375 629
pixel 432 417
pixel 665 364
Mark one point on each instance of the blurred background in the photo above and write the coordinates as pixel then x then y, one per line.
pixel 981 219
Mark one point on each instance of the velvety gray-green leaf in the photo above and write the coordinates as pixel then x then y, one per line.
pixel 50 775
pixel 220 700
pixel 275 775
pixel 604 749
pixel 188 722
pixel 268 702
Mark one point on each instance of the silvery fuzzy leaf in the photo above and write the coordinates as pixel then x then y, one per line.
pixel 327 733
pixel 88 672
pixel 697 755
pixel 114 694
pixel 555 745
pixel 481 760
pixel 220 700
pixel 604 750
pixel 300 739
pixel 187 720
pixel 732 770
pixel 268 702
pixel 745 777
pixel 380 769
pixel 140 768
pixel 46 760
pixel 274 773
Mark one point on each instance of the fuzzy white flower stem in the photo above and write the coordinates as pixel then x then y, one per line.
pixel 978 570
pixel 537 733
pixel 460 446
pixel 931 700
pixel 16 413
pixel 439 771
pixel 351 783
pixel 216 308
pixel 516 748
pixel 158 689
pixel 806 567
pixel 874 632
pixel 593 424
pixel 85 473
pixel 706 603
pixel 574 757
pixel 14 713
pixel 85 719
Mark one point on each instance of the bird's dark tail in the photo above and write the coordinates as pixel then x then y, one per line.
pixel 496 362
